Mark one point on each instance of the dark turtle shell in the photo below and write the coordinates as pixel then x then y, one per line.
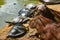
pixel 18 30
pixel 24 12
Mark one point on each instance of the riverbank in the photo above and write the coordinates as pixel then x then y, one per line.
pixel 5 30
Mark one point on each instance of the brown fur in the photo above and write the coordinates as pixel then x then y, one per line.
pixel 47 25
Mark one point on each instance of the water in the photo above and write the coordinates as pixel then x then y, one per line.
pixel 9 10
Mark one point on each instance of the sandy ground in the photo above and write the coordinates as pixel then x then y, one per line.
pixel 55 7
pixel 5 30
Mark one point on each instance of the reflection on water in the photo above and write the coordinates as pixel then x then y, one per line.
pixel 9 10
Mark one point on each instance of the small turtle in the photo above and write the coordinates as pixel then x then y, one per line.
pixel 18 30
pixel 26 12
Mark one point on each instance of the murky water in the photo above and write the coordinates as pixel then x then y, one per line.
pixel 9 10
